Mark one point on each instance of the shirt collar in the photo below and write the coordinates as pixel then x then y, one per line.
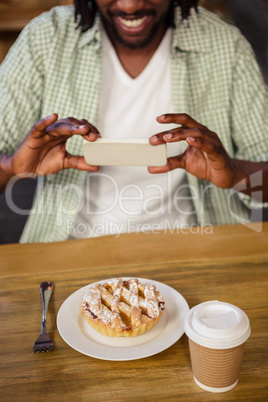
pixel 93 35
pixel 190 35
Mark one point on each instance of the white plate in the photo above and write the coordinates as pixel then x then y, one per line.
pixel 77 333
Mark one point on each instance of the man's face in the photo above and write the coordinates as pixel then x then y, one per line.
pixel 134 23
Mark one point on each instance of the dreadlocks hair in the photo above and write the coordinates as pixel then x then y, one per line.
pixel 85 12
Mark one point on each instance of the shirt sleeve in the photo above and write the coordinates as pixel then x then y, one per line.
pixel 249 116
pixel 249 106
pixel 21 85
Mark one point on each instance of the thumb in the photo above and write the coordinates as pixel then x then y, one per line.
pixel 78 162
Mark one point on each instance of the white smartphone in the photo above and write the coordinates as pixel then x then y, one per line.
pixel 124 152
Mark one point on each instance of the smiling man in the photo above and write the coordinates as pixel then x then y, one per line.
pixel 163 70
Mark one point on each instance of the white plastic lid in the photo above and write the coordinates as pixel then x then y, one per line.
pixel 217 325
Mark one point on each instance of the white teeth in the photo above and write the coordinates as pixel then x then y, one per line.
pixel 132 23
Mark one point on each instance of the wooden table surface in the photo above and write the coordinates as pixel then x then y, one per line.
pixel 228 263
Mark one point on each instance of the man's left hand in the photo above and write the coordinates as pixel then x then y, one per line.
pixel 205 156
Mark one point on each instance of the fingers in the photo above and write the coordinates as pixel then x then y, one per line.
pixel 188 127
pixel 41 125
pixel 67 127
pixel 52 128
pixel 92 128
pixel 94 132
pixel 78 162
pixel 174 162
pixel 179 118
pixel 215 154
pixel 216 157
pixel 180 134
pixel 159 169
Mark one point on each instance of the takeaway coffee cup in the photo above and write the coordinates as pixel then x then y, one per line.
pixel 217 333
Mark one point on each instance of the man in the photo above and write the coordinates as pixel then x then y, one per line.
pixel 127 63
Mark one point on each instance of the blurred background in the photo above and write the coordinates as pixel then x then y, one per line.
pixel 250 16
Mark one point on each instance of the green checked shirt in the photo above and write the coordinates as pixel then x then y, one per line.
pixel 53 67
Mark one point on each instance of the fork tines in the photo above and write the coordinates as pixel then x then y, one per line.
pixel 43 344
pixel 43 348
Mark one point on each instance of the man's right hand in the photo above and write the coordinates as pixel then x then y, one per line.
pixel 44 152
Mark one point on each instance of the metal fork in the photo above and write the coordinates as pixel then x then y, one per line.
pixel 44 343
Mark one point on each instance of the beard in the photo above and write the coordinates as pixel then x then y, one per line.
pixel 133 44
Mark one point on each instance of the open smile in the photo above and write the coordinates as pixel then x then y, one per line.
pixel 136 29
pixel 132 23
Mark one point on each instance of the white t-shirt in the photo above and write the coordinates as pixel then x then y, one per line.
pixel 120 199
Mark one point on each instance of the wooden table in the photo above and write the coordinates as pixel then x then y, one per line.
pixel 230 264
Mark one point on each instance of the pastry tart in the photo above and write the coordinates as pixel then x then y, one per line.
pixel 122 307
